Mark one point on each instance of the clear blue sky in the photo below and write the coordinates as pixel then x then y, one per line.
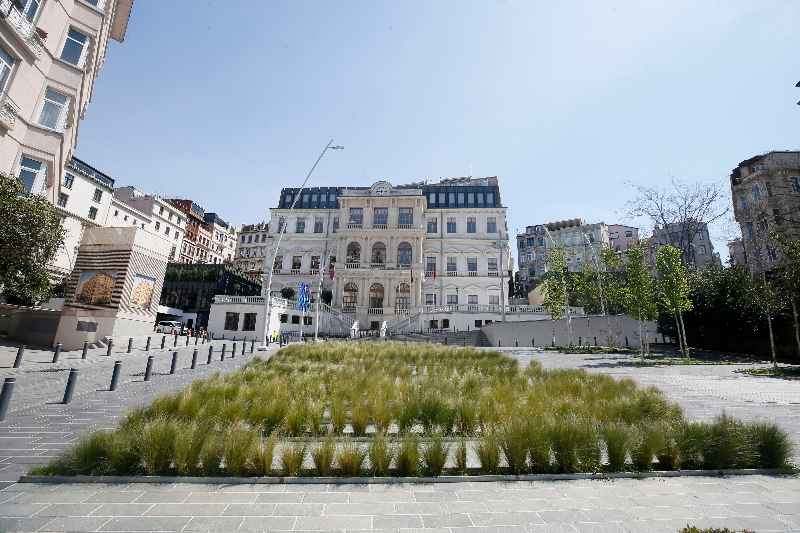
pixel 228 102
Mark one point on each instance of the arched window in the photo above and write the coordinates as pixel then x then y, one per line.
pixel 378 253
pixel 376 296
pixel 350 296
pixel 404 254
pixel 353 252
pixel 402 299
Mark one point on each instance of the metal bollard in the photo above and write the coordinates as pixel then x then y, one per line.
pixel 110 346
pixel 244 347
pixel 71 380
pixel 175 343
pixel 222 357
pixel 149 370
pixel 115 376
pixel 210 354
pixel 57 352
pixel 233 352
pixel 147 348
pixel 174 363
pixel 130 344
pixel 252 345
pixel 187 340
pixel 196 340
pixel 5 396
pixel 498 343
pixel 533 342
pixel 163 340
pixel 445 341
pixel 194 359
pixel 85 349
pixel 516 342
pixel 18 360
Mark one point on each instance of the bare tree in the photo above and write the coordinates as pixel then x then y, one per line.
pixel 683 208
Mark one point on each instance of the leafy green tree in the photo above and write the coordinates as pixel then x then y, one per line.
pixel 673 285
pixel 613 273
pixel 555 288
pixel 30 234
pixel 639 295
pixel 587 287
pixel 788 280
pixel 287 293
pixel 327 296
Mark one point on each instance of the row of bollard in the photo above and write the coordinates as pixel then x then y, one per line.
pixel 9 383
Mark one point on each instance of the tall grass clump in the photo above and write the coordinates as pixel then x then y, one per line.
pixel 351 458
pixel 398 395
pixel 434 455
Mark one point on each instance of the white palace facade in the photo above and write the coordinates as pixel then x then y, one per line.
pixel 393 248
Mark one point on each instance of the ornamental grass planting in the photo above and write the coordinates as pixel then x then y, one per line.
pixel 391 409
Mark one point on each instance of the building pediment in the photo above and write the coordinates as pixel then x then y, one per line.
pixel 452 250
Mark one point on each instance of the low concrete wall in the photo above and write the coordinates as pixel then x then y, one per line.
pixel 34 326
pixel 540 332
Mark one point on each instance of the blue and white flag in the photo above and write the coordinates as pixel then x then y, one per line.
pixel 302 300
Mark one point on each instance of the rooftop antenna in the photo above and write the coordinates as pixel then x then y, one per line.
pixel 470 171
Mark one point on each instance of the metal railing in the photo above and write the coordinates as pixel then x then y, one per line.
pixel 375 311
pixel 405 226
pixel 354 226
pixel 352 265
pixel 380 226
pixel 22 26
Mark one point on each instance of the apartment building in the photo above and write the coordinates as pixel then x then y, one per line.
pixel 621 237
pixel 736 252
pixel 766 198
pixel 689 236
pixel 88 198
pixel 581 240
pixel 385 249
pixel 50 54
pixel 191 251
pixel 251 248
pixel 223 239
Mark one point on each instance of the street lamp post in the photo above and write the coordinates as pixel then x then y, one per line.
pixel 281 231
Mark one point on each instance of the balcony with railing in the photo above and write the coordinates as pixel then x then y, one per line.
pixel 9 111
pixel 30 35
pixel 375 311
pixel 468 273
pixel 405 226
pixel 379 266
pixel 380 226
pixel 352 265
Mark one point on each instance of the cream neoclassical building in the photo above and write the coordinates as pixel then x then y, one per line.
pixel 393 248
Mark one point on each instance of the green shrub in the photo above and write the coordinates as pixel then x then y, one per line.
pixel 461 457
pixel 380 454
pixel 618 437
pixel 515 442
pixel 154 443
pixel 240 443
pixel 323 454
pixel 359 418
pixel 772 446
pixel 189 439
pixel 488 450
pixel 212 454
pixel 725 444
pixel 263 455
pixel 338 413
pixel 350 458
pixel 291 456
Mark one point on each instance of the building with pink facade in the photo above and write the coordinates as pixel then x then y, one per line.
pixel 621 236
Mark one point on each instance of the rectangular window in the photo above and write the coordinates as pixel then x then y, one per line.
pixel 284 318
pixel 305 200
pixel 471 224
pixel 98 195
pixel 249 239
pixel 323 199
pixel 629 234
pixel 492 263
pixel 295 319
pixel 743 200
pixel 441 199
pixel 491 225
pixel 531 256
pixel 249 322
pixel 432 199
pixel 472 265
pixel 317 226
pixel 567 240
pixel 472 299
pixel 430 264
pixel 432 225
pixel 278 264
pixel 314 198
pixel 470 199
pixel 301 226
pixel 541 241
pixel 75 48
pixel 406 216
pixel 263 237
pixel 92 213
pixel 461 199
pixel 489 199
pixel 794 184
pixel 380 216
pixel 296 262
pixel 702 249
pixel 756 192
pixel 232 321
pixel 750 230
pixel 54 110
pixel 480 199
pixel 356 216
pixel 69 179
pixel 430 299
pixel 776 216
pixel 335 224
pixel 531 242
pixel 62 200
pixel 281 226
pixel 451 199
pixel 494 300
pixel 521 244
pixel 451 225
pixel 308 320
pixel 451 264
pixel 158 227
pixel 452 299
pixel 314 262
pixel 6 64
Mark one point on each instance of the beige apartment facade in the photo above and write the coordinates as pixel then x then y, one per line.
pixel 766 198
pixel 50 54
pixel 393 248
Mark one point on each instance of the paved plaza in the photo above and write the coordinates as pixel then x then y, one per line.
pixel 37 426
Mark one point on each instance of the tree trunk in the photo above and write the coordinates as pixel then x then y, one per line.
pixel 683 331
pixel 588 330
pixel 619 342
pixel 769 321
pixel 646 337
pixel 554 332
pixel 678 331
pixel 796 326
pixel 641 340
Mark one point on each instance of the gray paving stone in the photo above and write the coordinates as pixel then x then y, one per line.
pixel 759 523
pixel 146 523
pixel 446 520
pixel 113 497
pixel 601 527
pixel 719 511
pixel 280 497
pixel 477 495
pixel 562 517
pixel 76 523
pixel 417 508
pixel 186 509
pixel 661 513
pixel 333 522
pixel 51 497
pixel 298 509
pixel 379 497
pixel 215 523
pixel 551 528
pixel 249 509
pixel 331 497
pixel 267 523
pixel 221 497
pixel 713 523
pixel 489 529
pixel 352 509
pixel 161 497
pixel 654 526
pixel 121 509
pixel 397 521
pixel 505 506
pixel 506 519
pixel 465 507
pixel 21 509
pixel 23 524
pixel 448 496
pixel 606 515
pixel 68 509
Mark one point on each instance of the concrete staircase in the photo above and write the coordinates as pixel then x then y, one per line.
pixel 450 338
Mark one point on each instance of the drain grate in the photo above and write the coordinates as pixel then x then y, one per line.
pixel 47 370
pixel 151 373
